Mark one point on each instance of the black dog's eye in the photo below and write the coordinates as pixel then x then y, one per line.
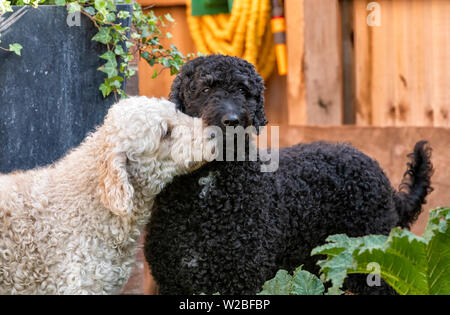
pixel 243 90
pixel 206 90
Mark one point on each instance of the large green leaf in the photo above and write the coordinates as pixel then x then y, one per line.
pixel 300 283
pixel 410 264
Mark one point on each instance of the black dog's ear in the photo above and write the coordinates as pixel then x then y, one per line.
pixel 176 94
pixel 181 82
pixel 259 120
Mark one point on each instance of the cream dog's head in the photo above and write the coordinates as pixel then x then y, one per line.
pixel 148 140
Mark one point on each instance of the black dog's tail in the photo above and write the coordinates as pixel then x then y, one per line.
pixel 416 185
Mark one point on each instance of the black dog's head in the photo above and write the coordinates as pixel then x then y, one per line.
pixel 222 90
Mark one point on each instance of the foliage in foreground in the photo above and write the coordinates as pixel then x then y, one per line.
pixel 410 264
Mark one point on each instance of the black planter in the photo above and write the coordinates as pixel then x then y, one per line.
pixel 49 96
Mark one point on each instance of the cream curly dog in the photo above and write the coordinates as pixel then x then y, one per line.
pixel 72 227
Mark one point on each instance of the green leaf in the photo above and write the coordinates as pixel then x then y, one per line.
pixel 115 82
pixel 110 68
pixel 410 264
pixel 74 7
pixel 89 10
pixel 155 74
pixel 106 90
pixel 103 36
pixel 135 35
pixel 118 50
pixel 145 55
pixel 305 283
pixel 109 56
pixel 16 48
pixel 5 6
pixel 129 44
pixel 123 14
pixel 100 4
pixel 301 282
pixel 110 17
pixel 60 2
pixel 280 285
pixel 169 17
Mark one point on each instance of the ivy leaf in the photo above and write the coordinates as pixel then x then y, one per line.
pixel 74 7
pixel 110 17
pixel 89 10
pixel 60 2
pixel 155 74
pixel 169 18
pixel 103 36
pixel 110 68
pixel 118 50
pixel 5 6
pixel 109 56
pixel 123 14
pixel 145 55
pixel 114 82
pixel 129 44
pixel 106 90
pixel 16 48
pixel 100 5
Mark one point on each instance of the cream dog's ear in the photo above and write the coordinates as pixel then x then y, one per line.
pixel 115 189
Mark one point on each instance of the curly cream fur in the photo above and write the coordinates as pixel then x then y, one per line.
pixel 72 227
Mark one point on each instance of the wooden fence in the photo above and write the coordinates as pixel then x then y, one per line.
pixel 402 67
pixel 369 63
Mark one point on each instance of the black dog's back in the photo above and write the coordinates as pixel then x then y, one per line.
pixel 228 227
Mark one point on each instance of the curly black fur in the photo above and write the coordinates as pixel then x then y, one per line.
pixel 228 227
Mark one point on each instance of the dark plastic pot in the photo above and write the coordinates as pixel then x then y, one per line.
pixel 49 97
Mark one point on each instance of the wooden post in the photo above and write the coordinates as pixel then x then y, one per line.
pixel 314 83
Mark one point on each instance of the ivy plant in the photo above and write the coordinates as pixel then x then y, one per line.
pixel 144 37
pixel 412 265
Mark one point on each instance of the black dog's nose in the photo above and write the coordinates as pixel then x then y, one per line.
pixel 230 120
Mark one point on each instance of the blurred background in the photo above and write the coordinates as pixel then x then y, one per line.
pixel 371 73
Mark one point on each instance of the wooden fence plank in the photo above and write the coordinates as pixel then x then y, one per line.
pixel 440 87
pixel 314 56
pixel 323 69
pixel 362 64
pixel 296 100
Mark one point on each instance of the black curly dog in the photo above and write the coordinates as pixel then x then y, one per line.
pixel 228 227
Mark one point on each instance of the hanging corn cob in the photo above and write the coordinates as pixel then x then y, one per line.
pixel 245 33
